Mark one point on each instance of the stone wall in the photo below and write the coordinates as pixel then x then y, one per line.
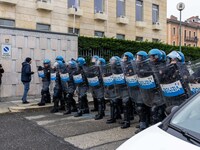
pixel 38 46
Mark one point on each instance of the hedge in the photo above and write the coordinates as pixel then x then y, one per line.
pixel 118 47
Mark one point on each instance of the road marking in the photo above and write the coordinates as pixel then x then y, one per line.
pixel 92 139
pixel 35 117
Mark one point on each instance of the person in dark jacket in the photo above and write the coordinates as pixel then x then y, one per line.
pixel 1 72
pixel 26 78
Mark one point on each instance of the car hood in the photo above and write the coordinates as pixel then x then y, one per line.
pixel 154 138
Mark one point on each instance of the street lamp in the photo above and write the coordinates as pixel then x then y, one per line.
pixel 180 6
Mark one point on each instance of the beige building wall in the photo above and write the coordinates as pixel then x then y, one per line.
pixel 26 15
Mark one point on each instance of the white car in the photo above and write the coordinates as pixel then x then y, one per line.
pixel 179 131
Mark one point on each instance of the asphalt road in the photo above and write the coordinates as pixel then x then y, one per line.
pixel 18 133
pixel 45 131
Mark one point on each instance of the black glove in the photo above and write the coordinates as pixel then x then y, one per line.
pixel 32 72
pixel 40 68
pixel 0 66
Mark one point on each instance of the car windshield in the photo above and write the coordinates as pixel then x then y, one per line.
pixel 188 117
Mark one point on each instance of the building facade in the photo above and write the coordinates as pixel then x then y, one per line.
pixel 123 19
pixel 190 31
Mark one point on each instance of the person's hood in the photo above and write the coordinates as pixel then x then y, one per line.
pixel 25 63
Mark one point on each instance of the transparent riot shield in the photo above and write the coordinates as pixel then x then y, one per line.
pixel 131 77
pixel 40 72
pixel 149 84
pixel 173 83
pixel 194 79
pixel 110 91
pixel 80 80
pixel 119 80
pixel 95 81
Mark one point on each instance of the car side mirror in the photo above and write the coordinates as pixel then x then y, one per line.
pixel 170 109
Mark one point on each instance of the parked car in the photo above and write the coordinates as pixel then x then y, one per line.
pixel 179 131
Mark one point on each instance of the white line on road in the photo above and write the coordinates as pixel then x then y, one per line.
pixel 92 139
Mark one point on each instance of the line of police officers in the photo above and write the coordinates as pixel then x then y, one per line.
pixel 149 85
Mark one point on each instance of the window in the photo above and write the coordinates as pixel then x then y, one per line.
pixel 174 31
pixel 189 34
pixel 155 40
pixel 7 22
pixel 185 34
pixel 76 30
pixel 155 13
pixel 138 38
pixel 139 10
pixel 174 43
pixel 98 34
pixel 194 34
pixel 120 36
pixel 43 27
pixel 194 45
pixel 120 8
pixel 73 3
pixel 185 44
pixel 98 6
pixel 189 45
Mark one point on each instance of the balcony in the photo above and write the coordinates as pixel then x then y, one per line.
pixel 44 5
pixel 156 26
pixel 140 24
pixel 100 16
pixel 11 2
pixel 191 39
pixel 122 20
pixel 73 11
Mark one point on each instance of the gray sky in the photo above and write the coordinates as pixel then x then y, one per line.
pixel 192 8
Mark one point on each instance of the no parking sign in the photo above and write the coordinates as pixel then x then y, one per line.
pixel 6 50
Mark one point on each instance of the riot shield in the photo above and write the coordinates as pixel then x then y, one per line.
pixel 110 91
pixel 94 81
pixel 119 80
pixel 40 72
pixel 149 84
pixel 194 79
pixel 173 83
pixel 131 77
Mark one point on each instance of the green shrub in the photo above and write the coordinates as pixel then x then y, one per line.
pixel 118 47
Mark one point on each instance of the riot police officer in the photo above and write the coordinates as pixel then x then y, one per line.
pixel 142 110
pixel 55 75
pixel 82 86
pixel 94 62
pixel 115 99
pixel 176 76
pixel 127 58
pixel 70 103
pixel 44 73
pixel 158 63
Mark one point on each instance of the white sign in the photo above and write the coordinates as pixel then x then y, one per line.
pixel 6 50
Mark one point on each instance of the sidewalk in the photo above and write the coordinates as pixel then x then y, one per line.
pixel 17 106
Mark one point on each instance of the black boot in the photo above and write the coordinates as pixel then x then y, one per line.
pixel 126 109
pixel 74 107
pixel 95 105
pixel 101 113
pixel 112 114
pixel 42 102
pixel 80 107
pixel 67 106
pixel 56 106
pixel 48 98
pixel 85 105
pixel 78 114
pixel 62 104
